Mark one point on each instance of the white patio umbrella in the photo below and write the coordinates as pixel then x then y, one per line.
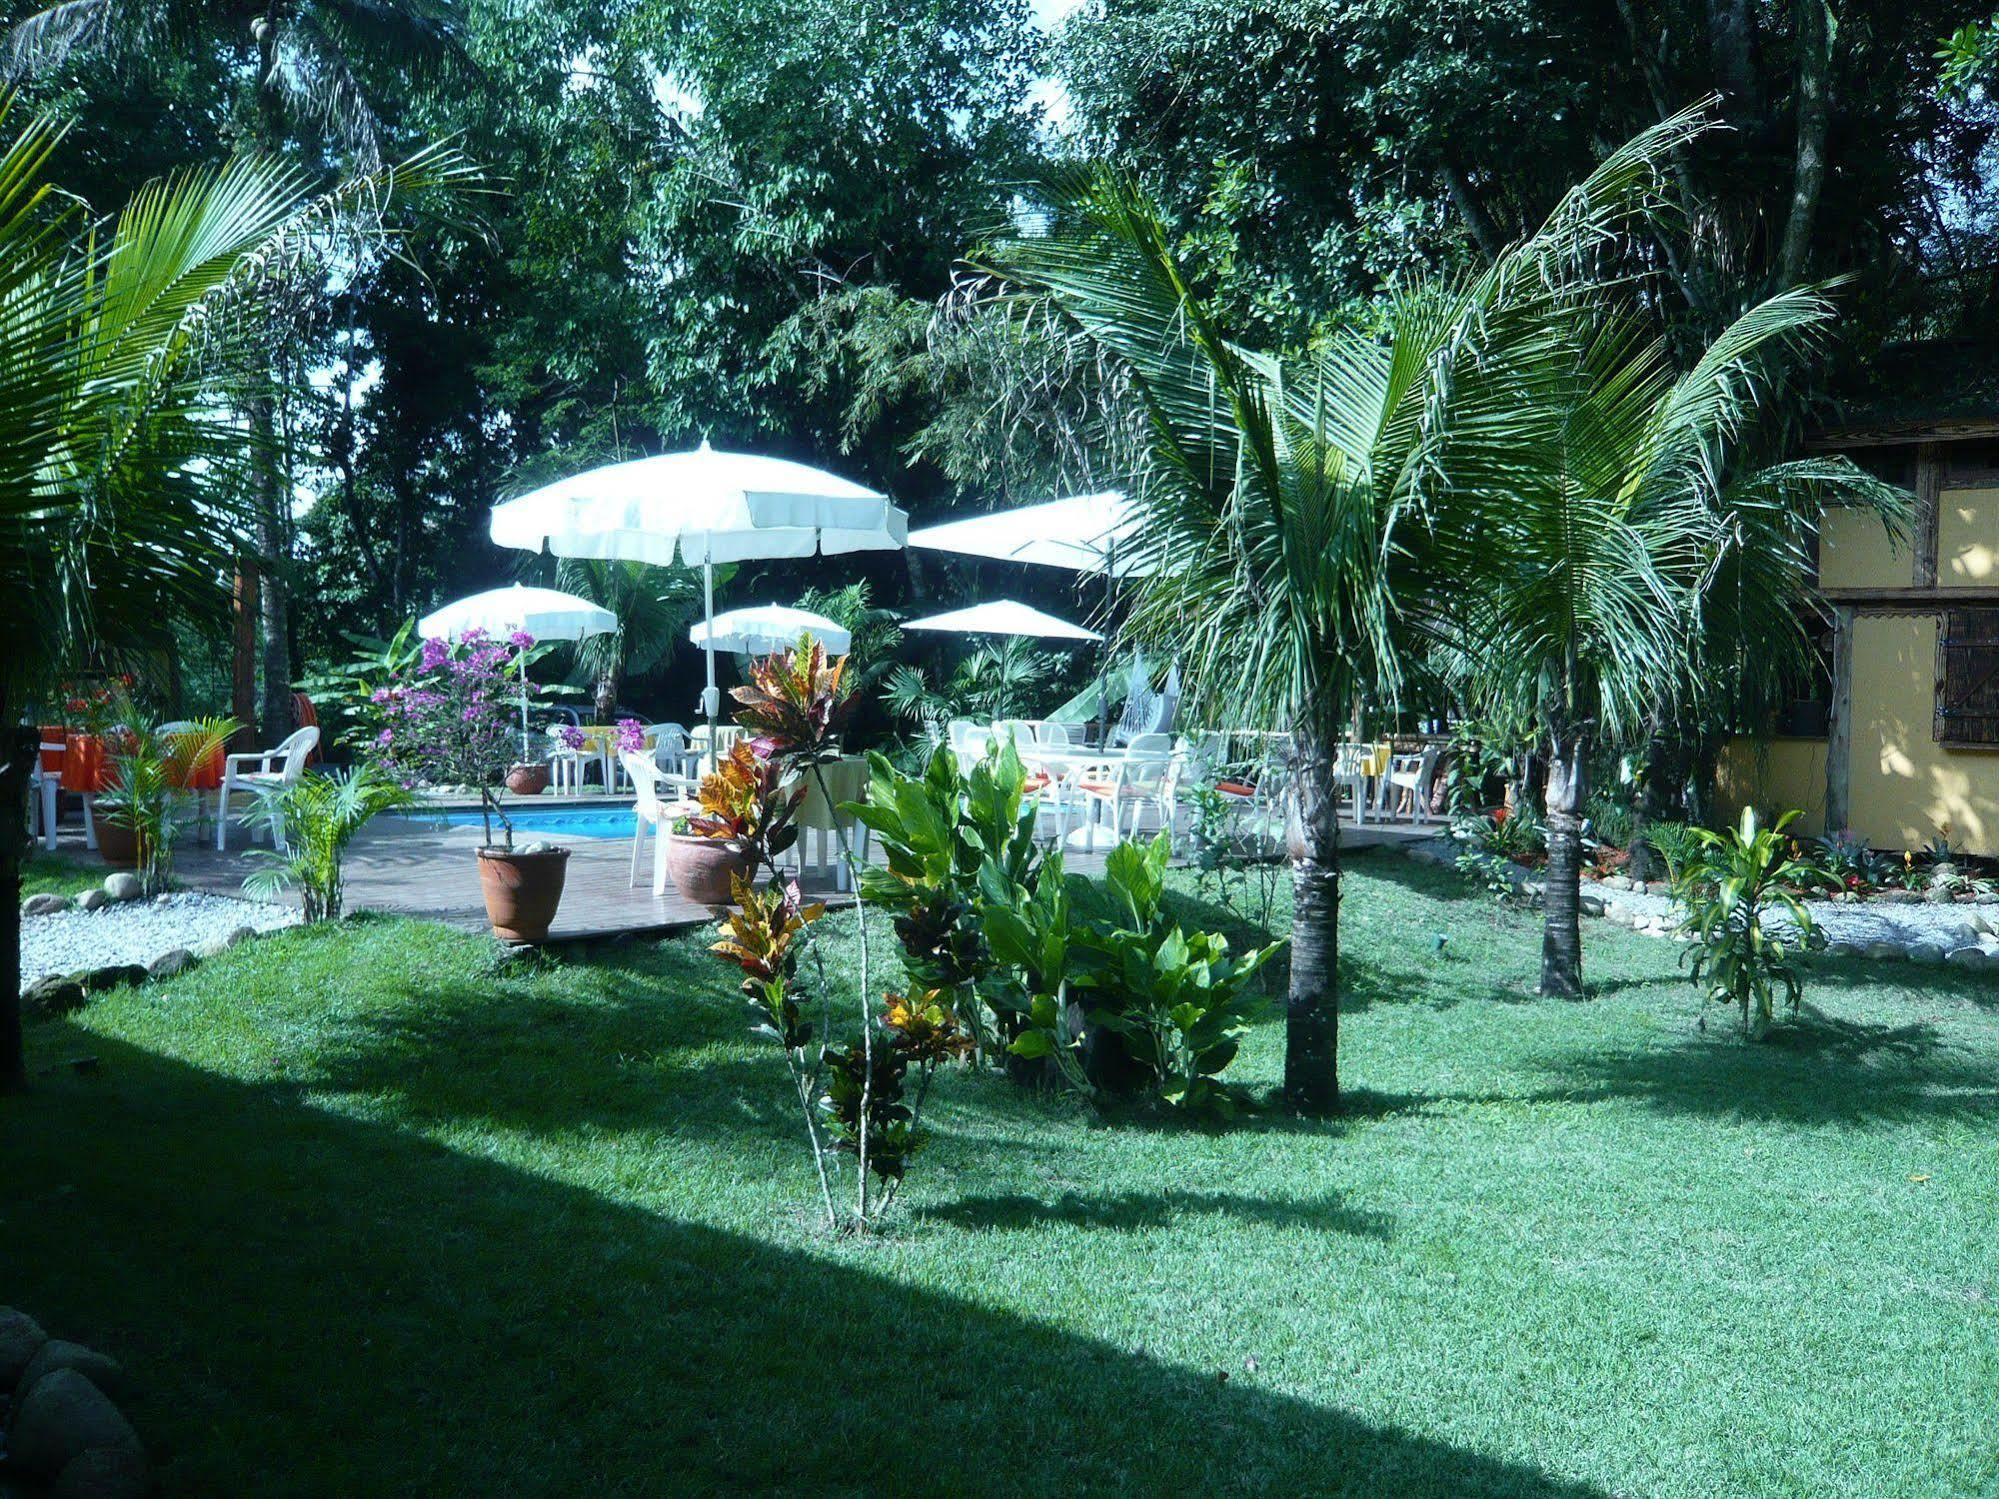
pixel 1003 617
pixel 1083 533
pixel 703 507
pixel 769 627
pixel 541 612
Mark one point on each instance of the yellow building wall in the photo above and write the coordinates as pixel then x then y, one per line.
pixel 1774 776
pixel 1855 552
pixel 1968 538
pixel 1905 788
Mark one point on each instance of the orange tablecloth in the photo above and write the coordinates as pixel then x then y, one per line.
pixel 56 734
pixel 85 766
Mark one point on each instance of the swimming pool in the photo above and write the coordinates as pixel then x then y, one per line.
pixel 554 822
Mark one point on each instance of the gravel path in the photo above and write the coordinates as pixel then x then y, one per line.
pixel 136 931
pixel 1946 926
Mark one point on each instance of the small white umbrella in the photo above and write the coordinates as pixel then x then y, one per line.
pixel 1003 617
pixel 768 627
pixel 1083 532
pixel 541 612
pixel 705 507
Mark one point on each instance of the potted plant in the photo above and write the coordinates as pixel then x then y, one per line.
pixel 148 804
pixel 743 808
pixel 447 719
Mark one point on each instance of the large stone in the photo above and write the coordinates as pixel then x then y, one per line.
pixel 21 1338
pixel 104 1473
pixel 1589 905
pixel 1899 898
pixel 123 885
pixel 62 1417
pixel 1618 882
pixel 113 976
pixel 1967 957
pixel 1842 950
pixel 1982 921
pixel 239 936
pixel 90 900
pixel 1886 951
pixel 1925 952
pixel 174 960
pixel 45 904
pixel 101 1369
pixel 52 995
pixel 215 947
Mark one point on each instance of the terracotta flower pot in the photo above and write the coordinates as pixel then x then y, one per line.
pixel 522 891
pixel 703 869
pixel 528 779
pixel 117 846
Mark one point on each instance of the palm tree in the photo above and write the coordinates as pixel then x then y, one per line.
pixel 1294 509
pixel 118 344
pixel 307 60
pixel 654 606
pixel 1634 559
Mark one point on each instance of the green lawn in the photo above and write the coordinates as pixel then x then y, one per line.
pixel 61 874
pixel 369 1216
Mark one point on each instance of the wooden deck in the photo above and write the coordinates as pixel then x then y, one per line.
pixel 416 868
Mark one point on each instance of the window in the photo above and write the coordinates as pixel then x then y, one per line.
pixel 1968 678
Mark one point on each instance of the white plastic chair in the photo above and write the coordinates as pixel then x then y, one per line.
pixel 46 786
pixel 1406 787
pixel 956 730
pixel 565 765
pixel 1019 730
pixel 670 749
pixel 1054 735
pixel 651 813
pixel 822 822
pixel 1150 779
pixel 256 772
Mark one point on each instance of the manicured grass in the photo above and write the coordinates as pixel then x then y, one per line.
pixel 61 874
pixel 369 1215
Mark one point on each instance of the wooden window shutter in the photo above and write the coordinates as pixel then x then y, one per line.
pixel 1968 678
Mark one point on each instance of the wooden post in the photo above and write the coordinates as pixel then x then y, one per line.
pixel 243 655
pixel 1929 501
pixel 1839 738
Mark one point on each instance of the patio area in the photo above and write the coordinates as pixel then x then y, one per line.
pixel 413 867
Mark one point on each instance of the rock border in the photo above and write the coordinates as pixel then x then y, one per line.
pixel 57 994
pixel 65 1420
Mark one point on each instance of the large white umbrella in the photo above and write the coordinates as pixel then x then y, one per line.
pixel 541 612
pixel 1003 617
pixel 1083 532
pixel 703 507
pixel 769 627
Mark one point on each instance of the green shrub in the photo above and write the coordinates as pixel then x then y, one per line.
pixel 1678 843
pixel 312 821
pixel 1736 881
pixel 1610 823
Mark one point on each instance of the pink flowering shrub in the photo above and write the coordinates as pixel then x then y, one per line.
pixel 448 719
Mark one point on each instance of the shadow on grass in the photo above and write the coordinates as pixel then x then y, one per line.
pixel 1818 1069
pixel 325 1305
pixel 1137 1210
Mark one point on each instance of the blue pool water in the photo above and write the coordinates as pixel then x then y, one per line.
pixel 556 822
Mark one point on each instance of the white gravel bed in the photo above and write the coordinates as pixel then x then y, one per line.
pixel 137 931
pixel 1946 926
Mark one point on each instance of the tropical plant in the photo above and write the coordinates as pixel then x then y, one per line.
pixel 654 606
pixel 796 703
pixel 1739 880
pixel 1847 861
pixel 1177 1003
pixel 873 632
pixel 1678 843
pixel 1608 823
pixel 746 799
pixel 149 792
pixel 448 720
pixel 311 821
pixel 1303 520
pixel 117 460
pixel 997 679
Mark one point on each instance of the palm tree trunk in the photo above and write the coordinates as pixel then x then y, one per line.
pixel 1561 936
pixel 273 549
pixel 1312 1014
pixel 604 695
pixel 22 744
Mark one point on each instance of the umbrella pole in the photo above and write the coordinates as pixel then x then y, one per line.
pixel 526 756
pixel 711 700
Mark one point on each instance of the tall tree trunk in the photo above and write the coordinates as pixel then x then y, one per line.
pixel 273 549
pixel 1814 116
pixel 20 748
pixel 1312 1007
pixel 1561 936
pixel 604 695
pixel 1731 41
pixel 245 610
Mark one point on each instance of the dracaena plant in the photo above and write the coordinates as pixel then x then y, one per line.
pixel 1731 889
